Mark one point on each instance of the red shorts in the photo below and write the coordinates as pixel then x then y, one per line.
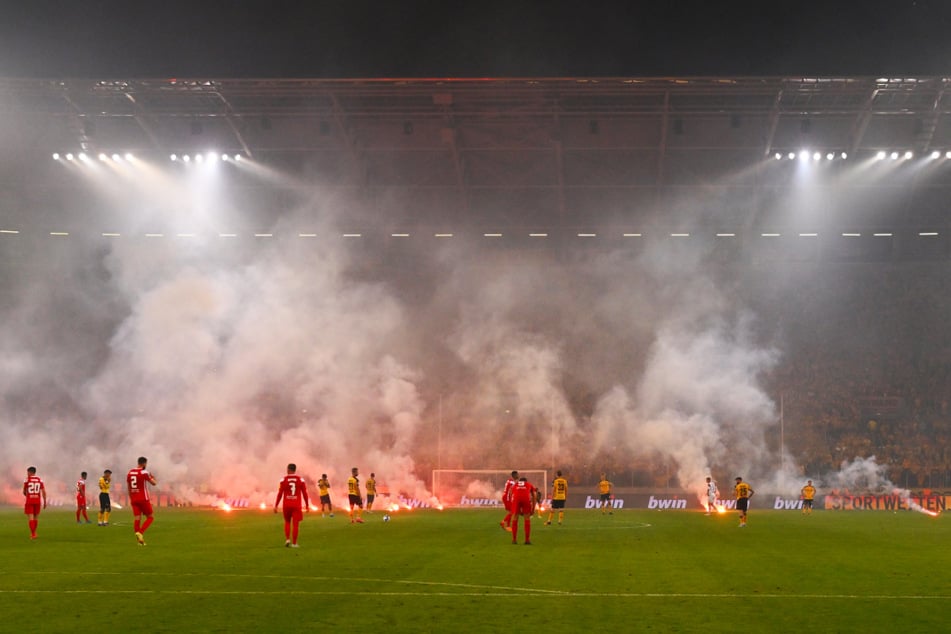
pixel 80 501
pixel 293 513
pixel 522 506
pixel 142 507
pixel 507 504
pixel 32 508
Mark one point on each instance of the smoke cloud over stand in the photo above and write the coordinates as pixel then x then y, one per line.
pixel 223 358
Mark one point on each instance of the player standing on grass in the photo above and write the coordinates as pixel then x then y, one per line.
pixel 712 494
pixel 506 523
pixel 524 498
pixel 559 494
pixel 353 492
pixel 743 493
pixel 808 495
pixel 138 480
pixel 81 498
pixel 293 490
pixel 33 490
pixel 604 487
pixel 371 491
pixel 323 489
pixel 105 506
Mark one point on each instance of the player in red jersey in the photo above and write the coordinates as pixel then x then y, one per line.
pixel 81 498
pixel 507 501
pixel 293 490
pixel 33 491
pixel 524 498
pixel 137 481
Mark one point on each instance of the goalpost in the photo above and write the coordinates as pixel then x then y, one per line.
pixel 480 487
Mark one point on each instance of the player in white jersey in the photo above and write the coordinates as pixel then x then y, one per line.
pixel 712 495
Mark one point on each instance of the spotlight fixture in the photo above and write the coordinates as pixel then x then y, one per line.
pixel 816 156
pixel 69 156
pixel 791 155
pixel 909 154
pixel 844 155
pixel 947 155
pixel 102 156
pixel 173 157
pixel 778 156
pixel 880 155
pixel 830 156
pixel 804 155
pixel 116 157
pixel 935 154
pixel 893 156
pixel 55 156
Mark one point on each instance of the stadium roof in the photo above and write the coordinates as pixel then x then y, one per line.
pixel 542 148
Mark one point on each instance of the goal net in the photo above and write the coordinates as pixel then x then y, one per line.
pixel 480 487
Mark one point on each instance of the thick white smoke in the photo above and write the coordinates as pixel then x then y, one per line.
pixel 223 359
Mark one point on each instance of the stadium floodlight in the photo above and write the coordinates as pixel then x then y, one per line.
pixel 816 156
pixel 212 157
pixel 102 156
pixel 830 156
pixel 116 157
pixel 909 154
pixel 947 155
pixel 186 158
pixel 791 155
pixel 844 155
pixel 778 156
pixel 880 155
pixel 804 155
pixel 55 156
pixel 129 156
pixel 173 157
pixel 893 156
pixel 69 156
pixel 225 157
pixel 238 158
pixel 935 154
pixel 199 158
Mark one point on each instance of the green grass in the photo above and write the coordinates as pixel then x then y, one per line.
pixel 455 571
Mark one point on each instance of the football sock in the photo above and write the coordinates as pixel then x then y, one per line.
pixel 287 530
pixel 295 531
pixel 135 525
pixel 561 516
pixel 528 529
pixel 551 514
pixel 100 517
pixel 515 528
pixel 146 524
pixel 33 527
pixel 105 517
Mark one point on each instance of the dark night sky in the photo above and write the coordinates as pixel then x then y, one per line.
pixel 234 38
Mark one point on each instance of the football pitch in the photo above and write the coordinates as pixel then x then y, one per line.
pixel 456 571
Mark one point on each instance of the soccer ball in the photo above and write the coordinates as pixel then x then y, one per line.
pixel 386 518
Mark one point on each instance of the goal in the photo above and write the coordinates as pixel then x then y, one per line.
pixel 480 487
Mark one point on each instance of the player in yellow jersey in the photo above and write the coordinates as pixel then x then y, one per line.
pixel 559 494
pixel 808 495
pixel 105 506
pixel 604 487
pixel 356 502
pixel 371 491
pixel 323 488
pixel 743 493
